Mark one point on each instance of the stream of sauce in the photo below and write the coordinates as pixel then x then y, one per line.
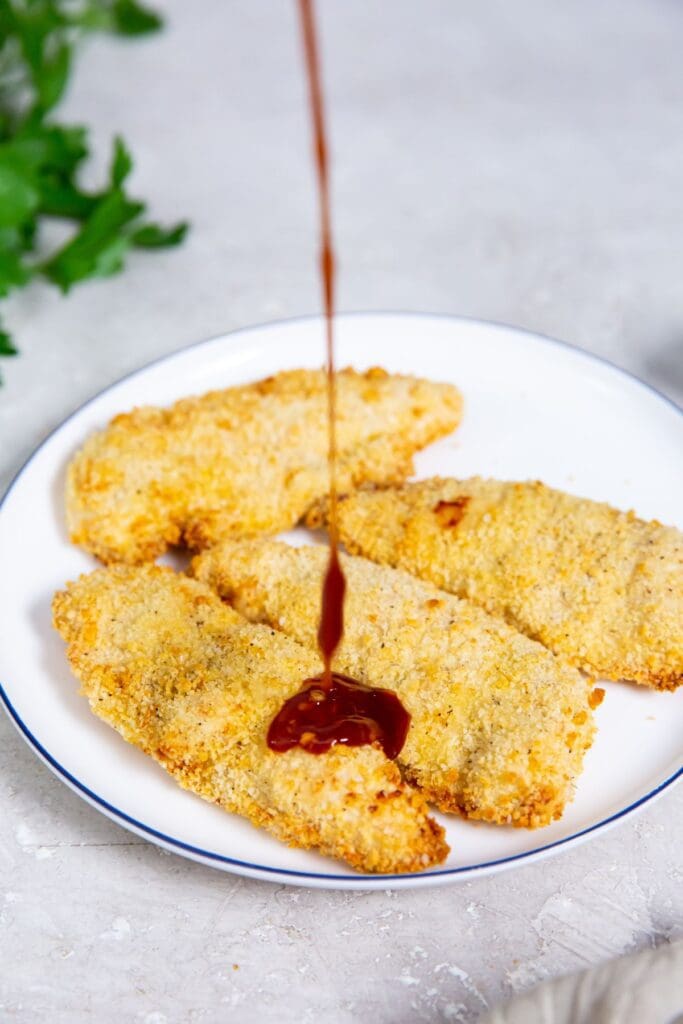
pixel 332 708
pixel 334 586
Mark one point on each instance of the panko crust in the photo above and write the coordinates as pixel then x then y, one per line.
pixel 189 681
pixel 245 460
pixel 600 587
pixel 499 726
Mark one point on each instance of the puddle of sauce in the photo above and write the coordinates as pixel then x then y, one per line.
pixel 332 708
pixel 345 711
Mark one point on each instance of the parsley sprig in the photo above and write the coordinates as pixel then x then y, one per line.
pixel 40 160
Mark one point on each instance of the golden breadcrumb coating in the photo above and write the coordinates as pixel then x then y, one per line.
pixel 595 585
pixel 190 682
pixel 499 725
pixel 246 460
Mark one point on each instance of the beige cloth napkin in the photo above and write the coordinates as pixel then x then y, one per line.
pixel 645 988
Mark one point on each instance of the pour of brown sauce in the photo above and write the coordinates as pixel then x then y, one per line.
pixel 334 586
pixel 332 708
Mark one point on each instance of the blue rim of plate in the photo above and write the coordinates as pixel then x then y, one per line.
pixel 262 870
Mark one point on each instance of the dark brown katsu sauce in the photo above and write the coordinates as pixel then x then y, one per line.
pixel 331 626
pixel 332 708
pixel 345 711
pixel 332 614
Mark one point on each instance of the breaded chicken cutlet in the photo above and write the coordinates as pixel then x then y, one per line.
pixel 600 587
pixel 499 726
pixel 245 460
pixel 195 686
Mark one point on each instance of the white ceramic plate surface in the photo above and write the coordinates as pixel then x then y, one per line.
pixel 534 409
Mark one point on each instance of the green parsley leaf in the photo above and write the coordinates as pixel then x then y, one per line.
pixel 132 19
pixel 51 78
pixel 62 199
pixel 154 236
pixel 55 148
pixel 99 247
pixel 13 272
pixel 19 196
pixel 6 346
pixel 121 164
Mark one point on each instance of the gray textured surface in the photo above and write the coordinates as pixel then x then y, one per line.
pixel 519 162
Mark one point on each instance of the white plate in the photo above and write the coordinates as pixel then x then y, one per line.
pixel 534 408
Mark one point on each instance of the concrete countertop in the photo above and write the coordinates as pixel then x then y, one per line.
pixel 515 162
